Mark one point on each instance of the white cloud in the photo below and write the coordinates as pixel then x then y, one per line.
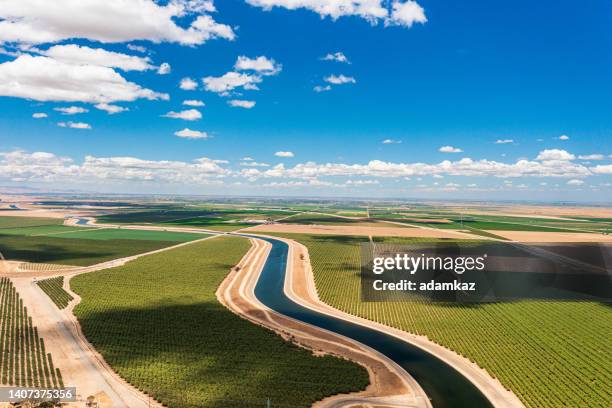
pixel 320 88
pixel 591 157
pixel 450 149
pixel 284 154
pixel 251 163
pixel 339 79
pixel 336 56
pixel 188 84
pixel 262 65
pixel 110 109
pixel 564 137
pixel 193 102
pixel 39 115
pixel 191 134
pixel 241 104
pixel 71 110
pixel 137 48
pixel 247 158
pixel 109 21
pixel 575 182
pixel 189 114
pixel 406 14
pixel 391 141
pixel 602 169
pixel 504 141
pixel 401 13
pixel 555 154
pixel 82 55
pixel 75 125
pixel 362 182
pixel 45 79
pixel 43 166
pixel 164 69
pixel 230 81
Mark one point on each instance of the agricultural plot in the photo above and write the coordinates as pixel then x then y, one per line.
pixel 157 322
pixel 218 219
pixel 323 219
pixel 523 344
pixel 23 359
pixel 50 242
pixel 22 222
pixel 54 288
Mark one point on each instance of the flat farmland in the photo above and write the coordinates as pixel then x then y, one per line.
pixel 223 219
pixel 50 242
pixel 324 219
pixel 158 323
pixel 524 344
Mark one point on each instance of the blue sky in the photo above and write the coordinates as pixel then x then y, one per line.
pixel 460 75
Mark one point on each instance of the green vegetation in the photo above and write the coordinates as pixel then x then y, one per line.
pixel 54 288
pixel 73 251
pixel 158 323
pixel 18 222
pixel 23 359
pixel 524 344
pixel 50 242
pixel 218 219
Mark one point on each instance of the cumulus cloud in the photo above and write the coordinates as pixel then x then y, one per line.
pixel 555 154
pixel 591 157
pixel 193 102
pixel 164 69
pixel 110 109
pixel 339 79
pixel 46 79
pixel 43 166
pixel 449 149
pixel 137 48
pixel 188 114
pixel 82 55
pixel 404 13
pixel 252 163
pixel 188 84
pixel 575 182
pixel 109 21
pixel 230 81
pixel 39 115
pixel 75 125
pixel 262 65
pixel 602 169
pixel 564 137
pixel 391 141
pixel 284 154
pixel 71 110
pixel 504 141
pixel 336 56
pixel 241 104
pixel 191 134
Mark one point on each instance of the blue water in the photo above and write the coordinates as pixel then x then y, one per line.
pixel 446 387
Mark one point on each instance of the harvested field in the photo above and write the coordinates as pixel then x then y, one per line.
pixel 533 236
pixel 358 230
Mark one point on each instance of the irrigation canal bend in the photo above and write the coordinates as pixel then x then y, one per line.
pixel 445 386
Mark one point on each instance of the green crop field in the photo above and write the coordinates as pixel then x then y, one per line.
pixel 73 251
pixel 524 344
pixel 158 323
pixel 54 288
pixel 141 235
pixel 50 242
pixel 23 359
pixel 19 222
pixel 217 219
pixel 324 219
